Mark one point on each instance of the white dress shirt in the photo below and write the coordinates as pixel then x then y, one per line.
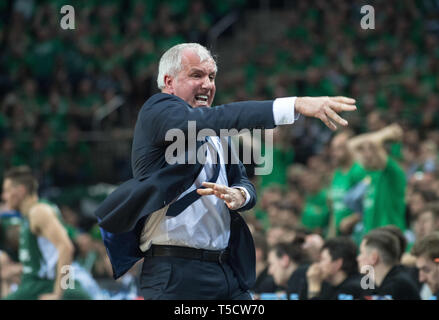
pixel 205 224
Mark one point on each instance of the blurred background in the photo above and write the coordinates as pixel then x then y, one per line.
pixel 69 98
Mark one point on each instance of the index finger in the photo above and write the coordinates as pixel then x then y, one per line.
pixel 205 192
pixel 339 107
pixel 215 186
pixel 343 99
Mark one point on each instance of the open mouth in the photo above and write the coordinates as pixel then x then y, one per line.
pixel 201 99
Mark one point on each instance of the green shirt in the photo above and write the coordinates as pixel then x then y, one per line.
pixel 280 161
pixel 315 214
pixel 340 185
pixel 38 255
pixel 384 201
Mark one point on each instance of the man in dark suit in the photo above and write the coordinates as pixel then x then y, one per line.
pixel 181 214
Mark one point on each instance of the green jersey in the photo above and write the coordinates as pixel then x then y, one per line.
pixel 340 185
pixel 315 214
pixel 37 254
pixel 39 258
pixel 384 201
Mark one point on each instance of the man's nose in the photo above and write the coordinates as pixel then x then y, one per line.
pixel 207 83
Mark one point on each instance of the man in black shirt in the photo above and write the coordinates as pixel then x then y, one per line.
pixel 297 286
pixel 379 255
pixel 426 252
pixel 284 260
pixel 335 276
pixel 410 271
pixel 264 281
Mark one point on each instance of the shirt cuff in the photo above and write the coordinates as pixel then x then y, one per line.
pixel 247 195
pixel 283 111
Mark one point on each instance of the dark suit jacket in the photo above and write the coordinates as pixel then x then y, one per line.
pixel 156 183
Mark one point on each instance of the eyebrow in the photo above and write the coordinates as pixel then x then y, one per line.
pixel 201 70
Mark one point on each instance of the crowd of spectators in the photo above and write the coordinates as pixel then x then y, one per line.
pixel 55 84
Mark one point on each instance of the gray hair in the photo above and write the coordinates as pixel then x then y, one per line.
pixel 170 62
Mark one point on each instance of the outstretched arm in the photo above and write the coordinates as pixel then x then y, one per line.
pixel 326 109
pixel 376 140
pixel 389 133
pixel 172 113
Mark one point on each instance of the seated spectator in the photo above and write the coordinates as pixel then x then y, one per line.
pixel 427 221
pixel 281 157
pixel 315 213
pixel 335 276
pixel 85 253
pixel 426 252
pixel 284 213
pixel 313 244
pixel 278 233
pixel 347 174
pixel 102 267
pixel 380 251
pixel 284 260
pixel 416 203
pixel 264 281
pixel 410 270
pixel 270 195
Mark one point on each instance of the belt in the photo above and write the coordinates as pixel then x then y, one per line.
pixel 220 256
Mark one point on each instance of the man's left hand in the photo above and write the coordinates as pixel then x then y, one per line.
pixel 314 277
pixel 231 196
pixel 325 109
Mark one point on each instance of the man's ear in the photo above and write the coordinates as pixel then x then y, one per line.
pixel 285 260
pixel 169 84
pixel 22 189
pixel 374 257
pixel 338 263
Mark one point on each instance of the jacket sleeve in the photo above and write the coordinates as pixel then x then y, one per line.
pixel 241 180
pixel 170 112
pixel 237 177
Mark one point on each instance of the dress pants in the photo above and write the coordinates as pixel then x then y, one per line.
pixel 172 278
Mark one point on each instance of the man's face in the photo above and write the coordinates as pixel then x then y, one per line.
pixel 424 224
pixel 195 83
pixel 428 272
pixel 311 182
pixel 13 194
pixel 369 152
pixel 274 235
pixel 416 203
pixel 287 217
pixel 327 265
pixel 270 197
pixel 277 268
pixel 339 150
pixel 374 121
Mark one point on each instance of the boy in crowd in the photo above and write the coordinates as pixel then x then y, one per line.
pixel 379 255
pixel 335 276
pixel 426 252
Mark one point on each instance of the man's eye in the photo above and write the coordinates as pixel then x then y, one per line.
pixel 196 76
pixel 212 77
